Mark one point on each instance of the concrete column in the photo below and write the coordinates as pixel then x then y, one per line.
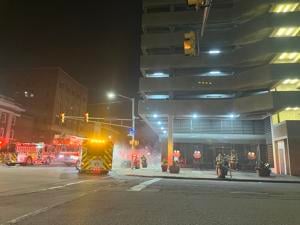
pixel 170 139
pixel 164 149
pixel 258 153
pixel 276 169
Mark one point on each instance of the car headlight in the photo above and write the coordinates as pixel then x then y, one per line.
pixel 60 156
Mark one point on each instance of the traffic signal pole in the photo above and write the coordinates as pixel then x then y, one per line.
pixel 133 123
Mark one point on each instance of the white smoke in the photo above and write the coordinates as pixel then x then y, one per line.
pixel 123 153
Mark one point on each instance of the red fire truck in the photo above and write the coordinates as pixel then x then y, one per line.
pixel 68 147
pixel 32 154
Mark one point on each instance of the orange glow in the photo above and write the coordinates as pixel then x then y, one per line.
pixel 98 141
pixel 187 45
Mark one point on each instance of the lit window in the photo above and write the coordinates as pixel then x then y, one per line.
pixel 286 32
pixel 285 7
pixel 287 57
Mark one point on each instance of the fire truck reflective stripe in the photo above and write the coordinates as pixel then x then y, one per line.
pixel 108 155
pixel 13 157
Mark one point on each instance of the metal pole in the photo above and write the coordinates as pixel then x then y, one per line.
pixel 133 123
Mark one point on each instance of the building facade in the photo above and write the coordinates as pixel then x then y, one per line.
pixel 238 90
pixel 46 93
pixel 9 114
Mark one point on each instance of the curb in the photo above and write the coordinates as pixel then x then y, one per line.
pixel 219 179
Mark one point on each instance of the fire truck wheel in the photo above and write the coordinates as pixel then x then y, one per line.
pixel 48 161
pixel 28 161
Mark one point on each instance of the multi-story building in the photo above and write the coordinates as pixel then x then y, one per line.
pixel 238 93
pixel 9 112
pixel 45 93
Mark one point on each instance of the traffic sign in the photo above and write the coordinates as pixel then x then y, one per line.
pixel 131 132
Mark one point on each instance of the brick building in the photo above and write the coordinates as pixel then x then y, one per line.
pixel 9 112
pixel 45 93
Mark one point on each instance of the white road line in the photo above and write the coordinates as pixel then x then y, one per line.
pixel 143 185
pixel 63 186
pixel 42 210
pixel 249 193
pixel 34 213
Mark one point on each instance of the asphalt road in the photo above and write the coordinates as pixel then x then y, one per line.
pixel 59 196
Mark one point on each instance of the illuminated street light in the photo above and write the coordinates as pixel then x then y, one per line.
pixel 214 52
pixel 111 95
pixel 215 72
pixel 233 116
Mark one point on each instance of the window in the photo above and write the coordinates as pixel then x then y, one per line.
pixel 2 132
pixel 13 122
pixel 12 134
pixel 3 117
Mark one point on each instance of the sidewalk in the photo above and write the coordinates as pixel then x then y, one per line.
pixel 206 175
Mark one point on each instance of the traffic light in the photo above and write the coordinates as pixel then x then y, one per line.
pixel 86 117
pixel 197 3
pixel 62 117
pixel 190 44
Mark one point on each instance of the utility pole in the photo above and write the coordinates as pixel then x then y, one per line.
pixel 133 123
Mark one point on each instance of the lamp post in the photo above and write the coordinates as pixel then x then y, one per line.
pixel 112 95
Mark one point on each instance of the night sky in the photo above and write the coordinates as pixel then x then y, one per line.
pixel 95 41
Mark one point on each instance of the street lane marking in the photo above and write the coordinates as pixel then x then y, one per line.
pixel 249 193
pixel 20 218
pixel 65 185
pixel 143 185
pixel 45 209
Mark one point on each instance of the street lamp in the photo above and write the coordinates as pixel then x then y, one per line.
pixel 112 95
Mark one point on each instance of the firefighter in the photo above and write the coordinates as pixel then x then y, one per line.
pixel 144 161
pixel 135 162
